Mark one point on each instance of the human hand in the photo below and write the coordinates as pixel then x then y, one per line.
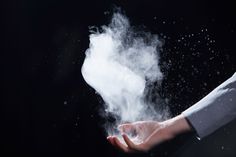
pixel 148 134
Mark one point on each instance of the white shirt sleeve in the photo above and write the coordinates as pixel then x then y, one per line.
pixel 214 110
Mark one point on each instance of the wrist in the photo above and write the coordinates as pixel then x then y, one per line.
pixel 176 125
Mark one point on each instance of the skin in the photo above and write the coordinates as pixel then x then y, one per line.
pixel 150 133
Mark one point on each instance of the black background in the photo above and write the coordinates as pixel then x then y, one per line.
pixel 48 109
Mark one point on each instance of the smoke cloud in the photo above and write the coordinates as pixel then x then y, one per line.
pixel 121 64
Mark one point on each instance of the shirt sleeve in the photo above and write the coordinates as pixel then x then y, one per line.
pixel 214 110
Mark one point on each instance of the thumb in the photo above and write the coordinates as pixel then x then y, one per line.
pixel 126 128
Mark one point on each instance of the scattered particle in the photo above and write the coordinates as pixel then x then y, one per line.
pixel 106 12
pixel 222 147
pixel 76 124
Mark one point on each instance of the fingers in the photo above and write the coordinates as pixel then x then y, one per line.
pixel 116 143
pixel 129 148
pixel 110 139
pixel 135 147
pixel 129 142
pixel 120 145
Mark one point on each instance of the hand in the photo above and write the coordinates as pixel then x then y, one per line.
pixel 148 134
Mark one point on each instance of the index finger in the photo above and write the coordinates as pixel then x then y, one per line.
pixel 121 146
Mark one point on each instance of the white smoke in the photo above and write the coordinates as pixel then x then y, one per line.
pixel 119 64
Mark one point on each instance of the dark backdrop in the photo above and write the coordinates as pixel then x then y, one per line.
pixel 47 108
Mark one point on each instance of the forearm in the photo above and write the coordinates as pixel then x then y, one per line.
pixel 214 110
pixel 206 116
